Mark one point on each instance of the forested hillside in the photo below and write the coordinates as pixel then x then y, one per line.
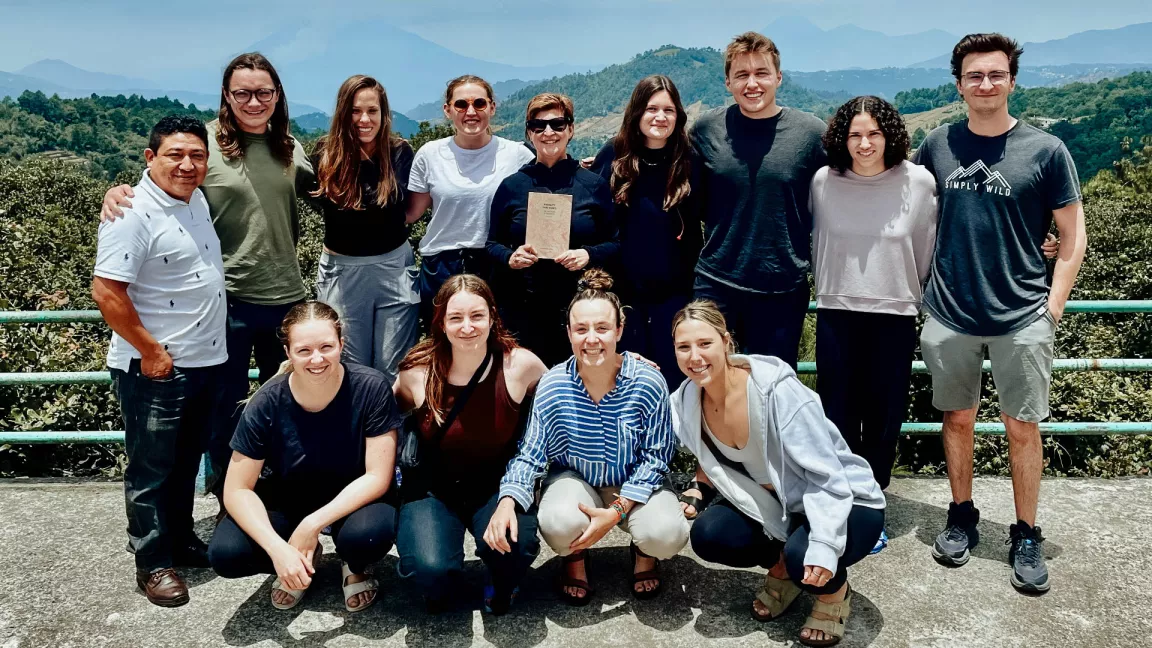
pixel 110 133
pixel 1093 119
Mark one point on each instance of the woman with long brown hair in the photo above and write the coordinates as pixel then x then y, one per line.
pixel 367 269
pixel 648 164
pixel 467 383
pixel 315 449
pixel 254 165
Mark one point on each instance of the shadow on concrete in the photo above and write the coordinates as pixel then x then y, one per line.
pixel 905 516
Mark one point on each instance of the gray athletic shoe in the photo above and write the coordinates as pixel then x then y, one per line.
pixel 954 542
pixel 1029 573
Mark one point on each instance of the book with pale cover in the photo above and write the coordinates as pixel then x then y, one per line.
pixel 549 223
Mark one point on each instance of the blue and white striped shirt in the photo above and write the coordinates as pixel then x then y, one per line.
pixel 626 440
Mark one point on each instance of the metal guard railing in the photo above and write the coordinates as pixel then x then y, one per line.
pixel 1061 428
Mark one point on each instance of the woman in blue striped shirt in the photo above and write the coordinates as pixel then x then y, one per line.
pixel 601 436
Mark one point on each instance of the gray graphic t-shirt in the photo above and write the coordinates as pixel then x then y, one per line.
pixel 996 199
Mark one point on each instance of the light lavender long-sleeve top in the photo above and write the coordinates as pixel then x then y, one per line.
pixel 873 238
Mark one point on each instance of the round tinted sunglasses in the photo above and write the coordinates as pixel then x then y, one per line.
pixel 479 103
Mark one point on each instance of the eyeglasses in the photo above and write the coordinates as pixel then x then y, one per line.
pixel 263 95
pixel 997 77
pixel 538 125
pixel 461 105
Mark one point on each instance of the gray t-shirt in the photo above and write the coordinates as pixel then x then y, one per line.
pixel 997 195
pixel 750 178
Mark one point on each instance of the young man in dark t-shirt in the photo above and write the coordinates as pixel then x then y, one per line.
pixel 752 165
pixel 1001 183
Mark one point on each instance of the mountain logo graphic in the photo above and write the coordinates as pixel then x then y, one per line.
pixel 976 176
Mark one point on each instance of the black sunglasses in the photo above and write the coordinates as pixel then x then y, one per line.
pixel 461 105
pixel 538 125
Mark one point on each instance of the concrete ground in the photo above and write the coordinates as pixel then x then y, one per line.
pixel 65 580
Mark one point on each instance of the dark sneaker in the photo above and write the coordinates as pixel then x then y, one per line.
pixel 1029 573
pixel 193 553
pixel 961 535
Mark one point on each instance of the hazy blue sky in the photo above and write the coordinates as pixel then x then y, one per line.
pixel 139 37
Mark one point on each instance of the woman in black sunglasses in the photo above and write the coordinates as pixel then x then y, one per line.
pixel 648 165
pixel 533 288
pixel 456 177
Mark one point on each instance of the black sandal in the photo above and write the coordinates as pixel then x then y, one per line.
pixel 650 575
pixel 568 581
pixel 699 503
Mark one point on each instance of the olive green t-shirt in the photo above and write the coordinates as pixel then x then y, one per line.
pixel 253 205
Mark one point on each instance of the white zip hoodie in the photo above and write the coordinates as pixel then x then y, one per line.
pixel 810 465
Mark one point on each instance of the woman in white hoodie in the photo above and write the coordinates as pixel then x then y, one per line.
pixel 795 500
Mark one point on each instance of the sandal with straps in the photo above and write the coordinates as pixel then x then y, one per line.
pixel 567 581
pixel 296 594
pixel 785 593
pixel 707 492
pixel 832 627
pixel 352 589
pixel 650 575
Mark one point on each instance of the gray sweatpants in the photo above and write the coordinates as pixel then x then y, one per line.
pixel 378 302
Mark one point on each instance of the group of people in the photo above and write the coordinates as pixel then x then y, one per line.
pixel 711 233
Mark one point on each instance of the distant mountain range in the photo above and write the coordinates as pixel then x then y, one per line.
pixel 805 47
pixel 1131 45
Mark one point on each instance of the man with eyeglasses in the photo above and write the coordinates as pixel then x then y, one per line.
pixel 1001 183
pixel 752 164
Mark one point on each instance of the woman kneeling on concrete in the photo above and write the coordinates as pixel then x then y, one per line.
pixel 467 384
pixel 315 448
pixel 601 420
pixel 794 499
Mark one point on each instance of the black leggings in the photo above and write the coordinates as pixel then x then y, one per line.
pixel 724 535
pixel 362 538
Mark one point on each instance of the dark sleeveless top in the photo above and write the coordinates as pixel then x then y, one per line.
pixel 475 451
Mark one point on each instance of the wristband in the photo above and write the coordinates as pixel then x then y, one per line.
pixel 618 506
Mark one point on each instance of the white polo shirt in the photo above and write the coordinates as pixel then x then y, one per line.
pixel 168 251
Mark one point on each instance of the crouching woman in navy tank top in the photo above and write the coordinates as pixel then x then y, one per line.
pixel 315 448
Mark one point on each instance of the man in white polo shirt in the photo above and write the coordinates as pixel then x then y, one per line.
pixel 159 282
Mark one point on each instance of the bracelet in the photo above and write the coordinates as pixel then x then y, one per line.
pixel 618 506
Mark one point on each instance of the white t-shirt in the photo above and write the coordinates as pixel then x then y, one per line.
pixel 168 251
pixel 462 183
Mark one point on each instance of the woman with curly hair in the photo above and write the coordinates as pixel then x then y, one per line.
pixel 874 221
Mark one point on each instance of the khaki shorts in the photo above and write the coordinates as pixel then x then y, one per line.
pixel 1021 367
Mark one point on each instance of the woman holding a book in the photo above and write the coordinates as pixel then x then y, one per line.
pixel 549 221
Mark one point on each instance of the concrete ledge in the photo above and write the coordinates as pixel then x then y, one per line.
pixel 66 581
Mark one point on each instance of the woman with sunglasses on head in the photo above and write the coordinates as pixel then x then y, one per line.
pixel 367 270
pixel 468 384
pixel 648 166
pixel 532 289
pixel 601 438
pixel 254 165
pixel 457 177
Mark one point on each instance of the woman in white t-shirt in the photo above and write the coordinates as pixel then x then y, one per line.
pixel 457 176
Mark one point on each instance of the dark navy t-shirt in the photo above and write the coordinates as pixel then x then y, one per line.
pixel 309 457
pixel 996 195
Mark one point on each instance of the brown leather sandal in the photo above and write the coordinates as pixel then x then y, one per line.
pixel 568 581
pixel 785 592
pixel 650 575
pixel 836 614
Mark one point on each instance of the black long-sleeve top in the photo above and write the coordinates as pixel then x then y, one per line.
pixel 658 248
pixel 372 229
pixel 593 229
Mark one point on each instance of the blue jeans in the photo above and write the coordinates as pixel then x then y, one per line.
pixel 251 328
pixel 167 423
pixel 762 324
pixel 431 544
